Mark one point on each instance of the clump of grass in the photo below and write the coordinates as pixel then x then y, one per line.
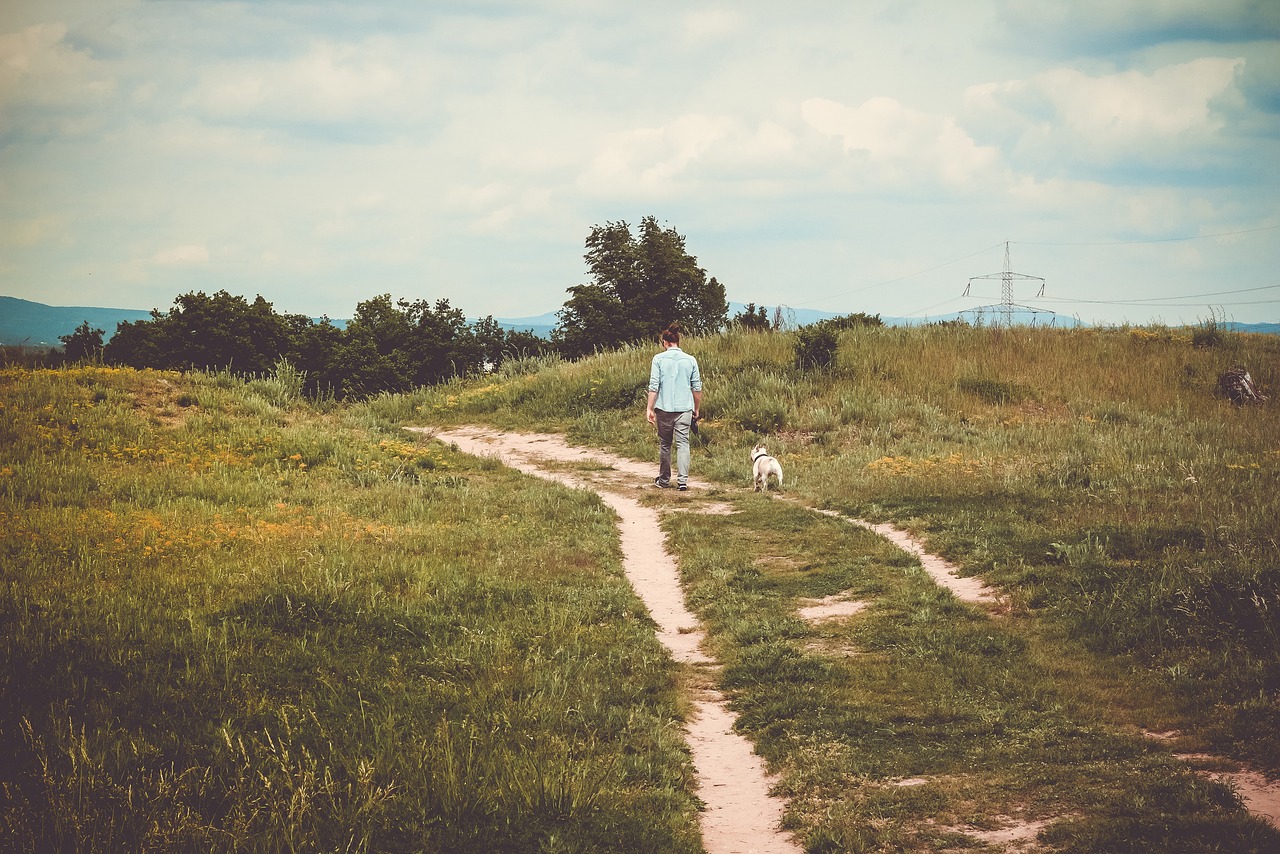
pixel 1211 331
pixel 995 391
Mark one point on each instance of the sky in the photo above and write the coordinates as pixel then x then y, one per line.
pixel 854 156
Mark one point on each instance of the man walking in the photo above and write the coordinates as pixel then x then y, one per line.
pixel 675 398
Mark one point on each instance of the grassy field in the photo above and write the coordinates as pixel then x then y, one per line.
pixel 1096 476
pixel 234 621
pixel 234 614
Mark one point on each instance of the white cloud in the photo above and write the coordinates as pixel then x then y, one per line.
pixel 901 145
pixel 37 66
pixel 181 256
pixel 1066 112
pixel 34 230
pixel 468 148
pixel 1129 211
pixel 704 24
pixel 330 82
pixel 648 161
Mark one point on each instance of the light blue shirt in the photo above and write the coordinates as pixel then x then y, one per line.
pixel 673 374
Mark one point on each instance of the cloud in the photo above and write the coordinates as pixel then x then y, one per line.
pixel 467 148
pixel 1098 27
pixel 181 256
pixel 330 82
pixel 705 24
pixel 1067 115
pixel 39 68
pixel 33 231
pixel 898 145
pixel 647 161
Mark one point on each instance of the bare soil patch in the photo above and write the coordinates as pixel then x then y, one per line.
pixel 833 607
pixel 1260 795
pixel 942 571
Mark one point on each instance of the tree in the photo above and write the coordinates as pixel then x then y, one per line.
pixel 84 343
pixel 374 350
pixel 523 344
pixel 315 348
pixel 201 331
pixel 393 346
pixel 441 345
pixel 641 284
pixel 752 319
pixel 490 339
pixel 594 317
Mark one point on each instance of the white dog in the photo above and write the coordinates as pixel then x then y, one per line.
pixel 765 465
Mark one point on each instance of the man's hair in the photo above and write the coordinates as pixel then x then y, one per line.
pixel 672 334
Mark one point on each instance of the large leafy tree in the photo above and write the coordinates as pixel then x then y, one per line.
pixel 396 345
pixel 640 284
pixel 203 331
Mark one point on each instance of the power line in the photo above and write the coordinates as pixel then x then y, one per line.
pixel 1159 301
pixel 901 278
pixel 927 309
pixel 1159 304
pixel 1140 302
pixel 1220 293
pixel 1153 240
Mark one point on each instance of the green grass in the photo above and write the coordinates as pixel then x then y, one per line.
pixel 232 621
pixel 286 622
pixel 920 686
pixel 1096 476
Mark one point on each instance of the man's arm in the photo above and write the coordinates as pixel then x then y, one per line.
pixel 649 414
pixel 697 403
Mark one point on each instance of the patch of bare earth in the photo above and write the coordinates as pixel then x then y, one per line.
pixel 942 571
pixel 1012 834
pixel 740 815
pixel 833 607
pixel 1259 795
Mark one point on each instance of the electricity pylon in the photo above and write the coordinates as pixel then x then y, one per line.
pixel 1007 305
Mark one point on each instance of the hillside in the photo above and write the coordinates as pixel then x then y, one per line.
pixel 236 613
pixel 35 324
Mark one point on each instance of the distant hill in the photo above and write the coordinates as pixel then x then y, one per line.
pixel 540 325
pixel 35 324
pixel 1263 328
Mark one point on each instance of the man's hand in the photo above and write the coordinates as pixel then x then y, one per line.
pixel 651 416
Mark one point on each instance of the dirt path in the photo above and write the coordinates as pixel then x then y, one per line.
pixel 740 817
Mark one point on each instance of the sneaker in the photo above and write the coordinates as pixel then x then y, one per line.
pixel 682 488
pixel 657 481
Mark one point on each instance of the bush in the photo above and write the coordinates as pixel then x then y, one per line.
pixel 996 391
pixel 816 347
pixel 759 414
